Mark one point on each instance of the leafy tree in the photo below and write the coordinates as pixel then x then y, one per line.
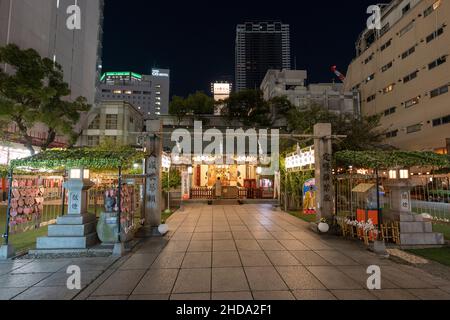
pixel 200 104
pixel 362 132
pixel 250 107
pixel 36 93
pixel 171 182
pixel 177 108
pixel 196 104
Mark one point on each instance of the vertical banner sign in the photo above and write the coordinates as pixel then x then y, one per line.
pixel 153 183
pixel 75 202
pixel 185 186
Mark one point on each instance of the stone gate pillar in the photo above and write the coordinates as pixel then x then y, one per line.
pixel 153 169
pixel 324 170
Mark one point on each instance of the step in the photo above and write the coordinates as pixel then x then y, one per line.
pixel 69 230
pixel 422 239
pixel 46 243
pixel 416 227
pixel 76 219
pixel 410 217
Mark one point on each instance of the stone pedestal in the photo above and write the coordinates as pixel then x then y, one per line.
pixel 323 170
pixel 76 230
pixel 153 171
pixel 6 252
pixel 413 229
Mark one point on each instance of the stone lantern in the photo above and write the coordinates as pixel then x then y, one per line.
pixel 76 230
pixel 413 229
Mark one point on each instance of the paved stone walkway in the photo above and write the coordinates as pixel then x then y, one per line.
pixel 245 252
pixel 252 252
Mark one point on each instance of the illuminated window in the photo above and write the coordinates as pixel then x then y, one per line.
pixel 431 8
pixel 128 92
pixel 388 89
pixel 117 91
pixel 412 102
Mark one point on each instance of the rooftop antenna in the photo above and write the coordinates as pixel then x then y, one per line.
pixel 295 63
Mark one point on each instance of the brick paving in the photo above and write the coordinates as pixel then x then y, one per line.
pixel 247 252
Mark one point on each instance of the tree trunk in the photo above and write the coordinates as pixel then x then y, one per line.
pixel 28 140
pixel 51 136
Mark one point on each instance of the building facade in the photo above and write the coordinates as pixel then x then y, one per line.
pixel 260 46
pixel 403 73
pixel 117 121
pixel 148 93
pixel 42 25
pixel 292 84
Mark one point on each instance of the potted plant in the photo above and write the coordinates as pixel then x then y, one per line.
pixel 323 226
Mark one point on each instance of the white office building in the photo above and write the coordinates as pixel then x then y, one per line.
pixel 148 93
pixel 292 84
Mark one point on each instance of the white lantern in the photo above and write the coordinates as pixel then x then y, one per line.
pixel 79 174
pixel 404 174
pixel 163 229
pixel 323 227
pixel 392 174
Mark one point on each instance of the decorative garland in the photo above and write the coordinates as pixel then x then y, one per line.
pixel 390 159
pixel 81 158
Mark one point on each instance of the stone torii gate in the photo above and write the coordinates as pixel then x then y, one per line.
pixel 153 170
pixel 323 153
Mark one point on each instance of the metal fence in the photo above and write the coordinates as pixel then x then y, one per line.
pixel 357 199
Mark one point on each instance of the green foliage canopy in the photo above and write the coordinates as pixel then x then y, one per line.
pixel 390 159
pixel 96 159
pixel 36 93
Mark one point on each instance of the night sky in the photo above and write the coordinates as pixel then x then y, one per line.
pixel 196 39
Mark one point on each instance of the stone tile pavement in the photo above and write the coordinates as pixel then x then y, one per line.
pixel 247 252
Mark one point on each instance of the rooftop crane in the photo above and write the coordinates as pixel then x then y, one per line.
pixel 337 73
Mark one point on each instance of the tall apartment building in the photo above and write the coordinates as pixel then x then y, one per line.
pixel 42 26
pixel 260 46
pixel 148 93
pixel 403 73
pixel 292 84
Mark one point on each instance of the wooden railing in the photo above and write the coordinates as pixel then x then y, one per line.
pixel 202 193
pixel 243 193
